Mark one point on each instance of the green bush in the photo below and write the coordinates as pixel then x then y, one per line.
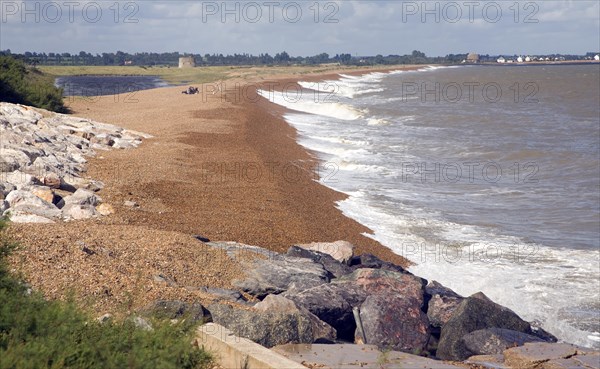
pixel 35 333
pixel 29 86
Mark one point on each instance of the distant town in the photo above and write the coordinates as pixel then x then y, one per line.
pixel 474 58
pixel 171 59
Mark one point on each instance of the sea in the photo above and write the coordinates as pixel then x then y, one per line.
pixel 93 85
pixel 486 177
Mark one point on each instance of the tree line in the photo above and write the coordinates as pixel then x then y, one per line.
pixel 172 59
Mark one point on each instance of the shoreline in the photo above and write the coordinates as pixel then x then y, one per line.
pixel 195 177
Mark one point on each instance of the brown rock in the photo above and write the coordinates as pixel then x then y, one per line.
pixel 105 209
pixel 43 193
pixel 51 180
pixel 532 354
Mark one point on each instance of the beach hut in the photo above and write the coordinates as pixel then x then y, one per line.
pixel 501 60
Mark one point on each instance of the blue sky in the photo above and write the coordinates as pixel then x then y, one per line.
pixel 367 27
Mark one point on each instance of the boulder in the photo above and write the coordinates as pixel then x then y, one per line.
pixel 475 313
pixel 442 303
pixel 274 276
pixel 51 180
pixel 342 251
pixel 373 262
pixel 19 179
pixel 82 197
pixel 394 322
pixel 175 309
pixel 334 267
pixel 333 302
pixel 105 209
pixel 374 281
pixel 26 202
pixel 275 321
pixel 43 193
pixel 493 341
pixel 24 217
pixel 78 212
pixel 330 303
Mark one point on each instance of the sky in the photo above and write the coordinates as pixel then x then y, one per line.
pixel 302 28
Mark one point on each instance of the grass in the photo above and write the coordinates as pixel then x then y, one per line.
pixel 36 333
pixel 175 75
pixel 172 75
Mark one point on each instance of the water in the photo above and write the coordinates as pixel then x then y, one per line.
pixel 107 85
pixel 487 177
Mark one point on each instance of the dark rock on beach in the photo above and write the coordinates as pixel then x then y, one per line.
pixel 493 341
pixel 175 309
pixel 273 321
pixel 442 303
pixel 334 267
pixel 475 313
pixel 394 322
pixel 277 275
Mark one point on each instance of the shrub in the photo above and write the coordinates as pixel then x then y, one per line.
pixel 27 85
pixel 36 333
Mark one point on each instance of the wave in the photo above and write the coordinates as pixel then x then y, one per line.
pixel 306 105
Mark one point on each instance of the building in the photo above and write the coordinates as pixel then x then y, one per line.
pixel 187 62
pixel 520 59
pixel 473 58
pixel 501 60
pixel 528 59
pixel 597 57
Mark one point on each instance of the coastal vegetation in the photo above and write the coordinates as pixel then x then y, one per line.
pixel 28 85
pixel 36 333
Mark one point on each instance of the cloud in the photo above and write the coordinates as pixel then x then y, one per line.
pixel 303 27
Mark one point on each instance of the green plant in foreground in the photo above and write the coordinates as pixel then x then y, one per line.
pixel 26 85
pixel 35 333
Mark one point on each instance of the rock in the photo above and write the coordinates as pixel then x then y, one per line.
pixel 51 180
pixel 142 323
pixel 6 188
pixel 4 205
pixel 13 159
pixel 19 179
pixel 334 267
pixel 105 209
pixel 532 354
pixel 493 341
pixel 24 202
pixel 443 302
pixel 273 276
pixel 43 193
pixel 341 251
pixel 374 281
pixel 224 294
pixel 474 313
pixel 328 303
pixel 275 321
pixel 373 262
pixel 24 217
pixel 104 318
pixel 82 197
pixel 131 204
pixel 333 302
pixel 395 322
pixel 119 143
pixel 175 309
pixel 78 212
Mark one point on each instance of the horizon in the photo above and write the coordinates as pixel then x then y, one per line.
pixel 359 28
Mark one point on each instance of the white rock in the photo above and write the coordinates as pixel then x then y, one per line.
pixel 82 197
pixel 24 217
pixel 342 251
pixel 18 179
pixel 77 211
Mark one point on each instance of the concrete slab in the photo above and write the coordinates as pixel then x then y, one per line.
pixel 234 352
pixel 532 354
pixel 349 356
pixel 591 360
pixel 488 361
